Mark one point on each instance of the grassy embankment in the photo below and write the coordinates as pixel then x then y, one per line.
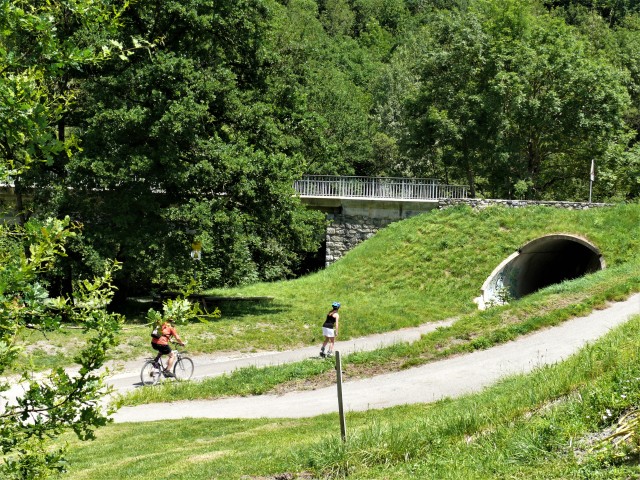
pixel 408 268
pixel 546 425
pixel 424 269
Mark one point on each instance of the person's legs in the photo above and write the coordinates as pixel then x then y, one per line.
pixel 324 344
pixel 331 343
pixel 166 350
pixel 171 360
pixel 161 349
pixel 329 334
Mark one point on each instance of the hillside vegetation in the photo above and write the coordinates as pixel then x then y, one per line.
pixel 222 105
pixel 553 423
pixel 424 269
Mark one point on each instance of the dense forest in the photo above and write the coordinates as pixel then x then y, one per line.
pixel 157 124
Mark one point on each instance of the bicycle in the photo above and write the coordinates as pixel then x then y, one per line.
pixel 153 369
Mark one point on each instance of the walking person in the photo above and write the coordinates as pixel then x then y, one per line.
pixel 330 330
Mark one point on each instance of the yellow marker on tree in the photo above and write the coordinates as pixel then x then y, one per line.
pixel 196 250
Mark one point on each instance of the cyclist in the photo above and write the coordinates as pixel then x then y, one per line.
pixel 167 330
pixel 330 329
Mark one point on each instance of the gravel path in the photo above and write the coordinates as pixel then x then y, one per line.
pixel 445 378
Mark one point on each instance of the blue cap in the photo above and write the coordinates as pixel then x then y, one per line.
pixel 335 305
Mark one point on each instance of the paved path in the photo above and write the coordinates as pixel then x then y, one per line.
pixel 446 378
pixel 211 366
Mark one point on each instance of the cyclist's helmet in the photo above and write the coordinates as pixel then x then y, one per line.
pixel 335 305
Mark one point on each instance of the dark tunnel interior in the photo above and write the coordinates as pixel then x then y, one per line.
pixel 551 260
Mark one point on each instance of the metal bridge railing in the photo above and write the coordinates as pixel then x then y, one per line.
pixel 377 187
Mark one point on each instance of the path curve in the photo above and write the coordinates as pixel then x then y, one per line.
pixel 445 378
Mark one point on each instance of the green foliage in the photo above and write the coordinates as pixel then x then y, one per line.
pixel 181 144
pixel 508 96
pixel 614 12
pixel 220 106
pixel 41 44
pixel 180 310
pixel 50 404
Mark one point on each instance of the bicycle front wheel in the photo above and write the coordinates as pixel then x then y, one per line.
pixel 150 374
pixel 183 368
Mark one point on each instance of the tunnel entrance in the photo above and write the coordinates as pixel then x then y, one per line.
pixel 544 261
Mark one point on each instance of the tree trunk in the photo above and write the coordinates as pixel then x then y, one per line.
pixel 470 174
pixel 22 217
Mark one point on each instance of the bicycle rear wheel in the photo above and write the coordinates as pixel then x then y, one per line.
pixel 150 374
pixel 183 368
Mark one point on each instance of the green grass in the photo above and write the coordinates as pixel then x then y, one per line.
pixel 536 426
pixel 424 269
pixel 477 330
pixel 420 270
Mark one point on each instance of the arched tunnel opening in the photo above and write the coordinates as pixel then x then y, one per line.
pixel 542 262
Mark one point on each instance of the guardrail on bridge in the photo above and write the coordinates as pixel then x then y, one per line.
pixel 377 187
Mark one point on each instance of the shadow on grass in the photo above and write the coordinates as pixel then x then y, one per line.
pixel 239 308
pixel 135 309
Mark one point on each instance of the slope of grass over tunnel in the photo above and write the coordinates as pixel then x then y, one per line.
pixel 423 269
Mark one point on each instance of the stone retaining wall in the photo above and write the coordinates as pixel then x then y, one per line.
pixel 346 231
pixel 483 203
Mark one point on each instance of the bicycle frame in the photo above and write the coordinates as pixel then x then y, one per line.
pixel 154 369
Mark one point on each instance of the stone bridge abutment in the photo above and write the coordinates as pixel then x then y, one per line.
pixel 350 221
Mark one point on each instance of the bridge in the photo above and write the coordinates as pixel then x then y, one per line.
pixel 377 188
pixel 390 198
pixel 357 207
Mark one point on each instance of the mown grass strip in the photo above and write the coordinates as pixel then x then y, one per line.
pixel 543 425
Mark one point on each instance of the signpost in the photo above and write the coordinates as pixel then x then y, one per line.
pixel 343 425
pixel 592 177
pixel 196 250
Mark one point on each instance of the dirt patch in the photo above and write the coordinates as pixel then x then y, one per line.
pixel 620 437
pixel 349 372
pixel 205 457
pixel 44 346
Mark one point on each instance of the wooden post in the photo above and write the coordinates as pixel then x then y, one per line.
pixel 343 424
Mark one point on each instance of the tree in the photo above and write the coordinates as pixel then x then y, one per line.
pixel 60 401
pixel 42 48
pixel 613 11
pixel 42 44
pixel 185 144
pixel 321 83
pixel 514 97
pixel 449 124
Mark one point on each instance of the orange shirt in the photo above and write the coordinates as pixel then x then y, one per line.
pixel 167 332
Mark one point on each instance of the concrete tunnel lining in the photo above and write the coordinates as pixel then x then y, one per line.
pixel 542 262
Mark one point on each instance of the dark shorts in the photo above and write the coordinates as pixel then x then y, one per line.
pixel 163 349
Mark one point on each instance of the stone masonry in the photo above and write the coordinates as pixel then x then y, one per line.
pixel 480 203
pixel 345 232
